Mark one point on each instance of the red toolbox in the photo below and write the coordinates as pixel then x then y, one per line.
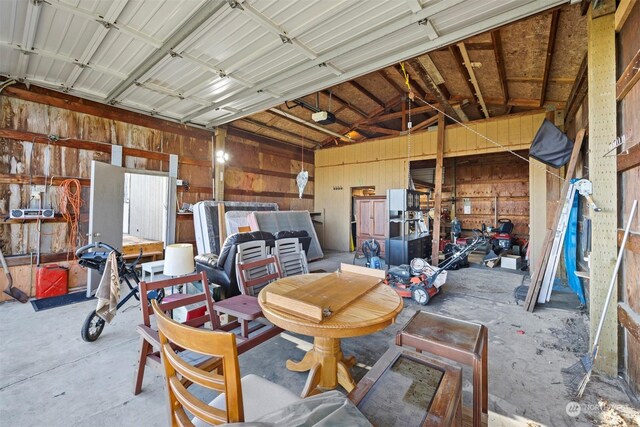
pixel 51 280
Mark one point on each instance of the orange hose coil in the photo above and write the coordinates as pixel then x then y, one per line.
pixel 69 203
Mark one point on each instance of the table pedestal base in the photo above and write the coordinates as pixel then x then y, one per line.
pixel 327 367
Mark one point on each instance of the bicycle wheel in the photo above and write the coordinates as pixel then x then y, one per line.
pixel 92 327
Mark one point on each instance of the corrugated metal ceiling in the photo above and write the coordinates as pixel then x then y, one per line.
pixel 208 62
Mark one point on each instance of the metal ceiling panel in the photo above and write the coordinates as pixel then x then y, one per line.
pixel 121 52
pixel 353 24
pixel 193 59
pixel 12 20
pixel 158 19
pixel 95 81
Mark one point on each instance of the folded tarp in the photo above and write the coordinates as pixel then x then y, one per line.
pixel 288 221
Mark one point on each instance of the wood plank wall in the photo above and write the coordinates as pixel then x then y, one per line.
pixel 629 190
pixel 263 170
pixel 27 116
pixel 497 185
pixel 382 163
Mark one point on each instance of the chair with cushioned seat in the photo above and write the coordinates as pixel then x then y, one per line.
pixel 240 400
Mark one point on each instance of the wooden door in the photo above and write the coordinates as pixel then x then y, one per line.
pixel 371 223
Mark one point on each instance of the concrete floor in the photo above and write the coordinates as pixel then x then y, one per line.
pixel 49 376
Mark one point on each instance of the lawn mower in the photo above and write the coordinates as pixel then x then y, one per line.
pixel 97 260
pixel 421 281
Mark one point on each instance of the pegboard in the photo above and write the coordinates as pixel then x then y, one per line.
pixel 603 174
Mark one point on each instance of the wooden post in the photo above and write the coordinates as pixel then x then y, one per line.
pixel 435 248
pixel 218 188
pixel 602 172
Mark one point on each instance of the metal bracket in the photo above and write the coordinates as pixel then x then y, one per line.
pixel 585 188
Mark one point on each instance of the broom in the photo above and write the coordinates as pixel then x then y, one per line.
pixel 583 368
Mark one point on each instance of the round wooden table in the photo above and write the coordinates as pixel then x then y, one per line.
pixel 327 366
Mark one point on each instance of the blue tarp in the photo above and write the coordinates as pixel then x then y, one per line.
pixel 571 248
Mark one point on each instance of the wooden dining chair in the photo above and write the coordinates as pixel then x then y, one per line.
pixel 239 400
pixel 149 341
pixel 245 307
pixel 350 268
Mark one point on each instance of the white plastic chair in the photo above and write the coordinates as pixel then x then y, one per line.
pixel 292 258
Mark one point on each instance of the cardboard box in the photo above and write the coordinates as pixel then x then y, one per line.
pixel 512 262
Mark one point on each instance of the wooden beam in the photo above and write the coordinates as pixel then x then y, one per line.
pixel 633 241
pixel 415 87
pixel 402 90
pixel 269 142
pixel 578 91
pixel 502 73
pixel 397 115
pixel 551 43
pixel 378 129
pixel 275 129
pixel 629 159
pixel 24 179
pixel 629 77
pixel 435 246
pixel 433 88
pixel 629 319
pixel 102 147
pixel 238 192
pixel 622 13
pixel 366 93
pixel 474 80
pixel 601 50
pixel 457 57
pixel 80 105
pixel 424 183
pixel 240 166
pixel 479 46
pixel 425 123
pixel 346 104
pixel 391 104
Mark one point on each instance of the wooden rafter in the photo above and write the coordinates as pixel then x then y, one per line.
pixel 378 129
pixel 502 73
pixel 461 68
pixel 398 115
pixel 295 137
pixel 414 85
pixel 366 92
pixel 579 89
pixel 346 104
pixel 425 123
pixel 551 43
pixel 474 80
pixel 622 13
pixel 433 88
pixel 629 77
pixel 391 104
pixel 400 89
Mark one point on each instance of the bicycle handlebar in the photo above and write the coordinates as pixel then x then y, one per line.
pixel 95 245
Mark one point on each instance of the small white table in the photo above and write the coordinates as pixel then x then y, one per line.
pixel 151 268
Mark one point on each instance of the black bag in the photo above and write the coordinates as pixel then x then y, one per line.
pixel 551 146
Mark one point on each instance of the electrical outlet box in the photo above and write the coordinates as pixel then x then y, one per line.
pixel 38 189
pixel 179 182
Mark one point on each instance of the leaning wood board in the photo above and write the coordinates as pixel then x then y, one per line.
pixel 331 293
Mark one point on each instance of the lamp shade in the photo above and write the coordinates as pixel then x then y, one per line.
pixel 178 259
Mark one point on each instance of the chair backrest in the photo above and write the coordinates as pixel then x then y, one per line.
pixel 249 281
pixel 250 251
pixel 287 246
pixel 380 274
pixel 170 303
pixel 293 264
pixel 210 343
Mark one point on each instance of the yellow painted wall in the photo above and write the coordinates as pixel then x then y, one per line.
pixel 382 163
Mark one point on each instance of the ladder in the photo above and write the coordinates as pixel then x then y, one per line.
pixel 421 226
pixel 584 187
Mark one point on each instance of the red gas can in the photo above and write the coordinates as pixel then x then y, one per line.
pixel 51 280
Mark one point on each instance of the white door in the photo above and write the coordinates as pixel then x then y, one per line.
pixel 106 210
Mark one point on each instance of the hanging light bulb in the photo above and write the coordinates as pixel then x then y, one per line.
pixel 222 157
